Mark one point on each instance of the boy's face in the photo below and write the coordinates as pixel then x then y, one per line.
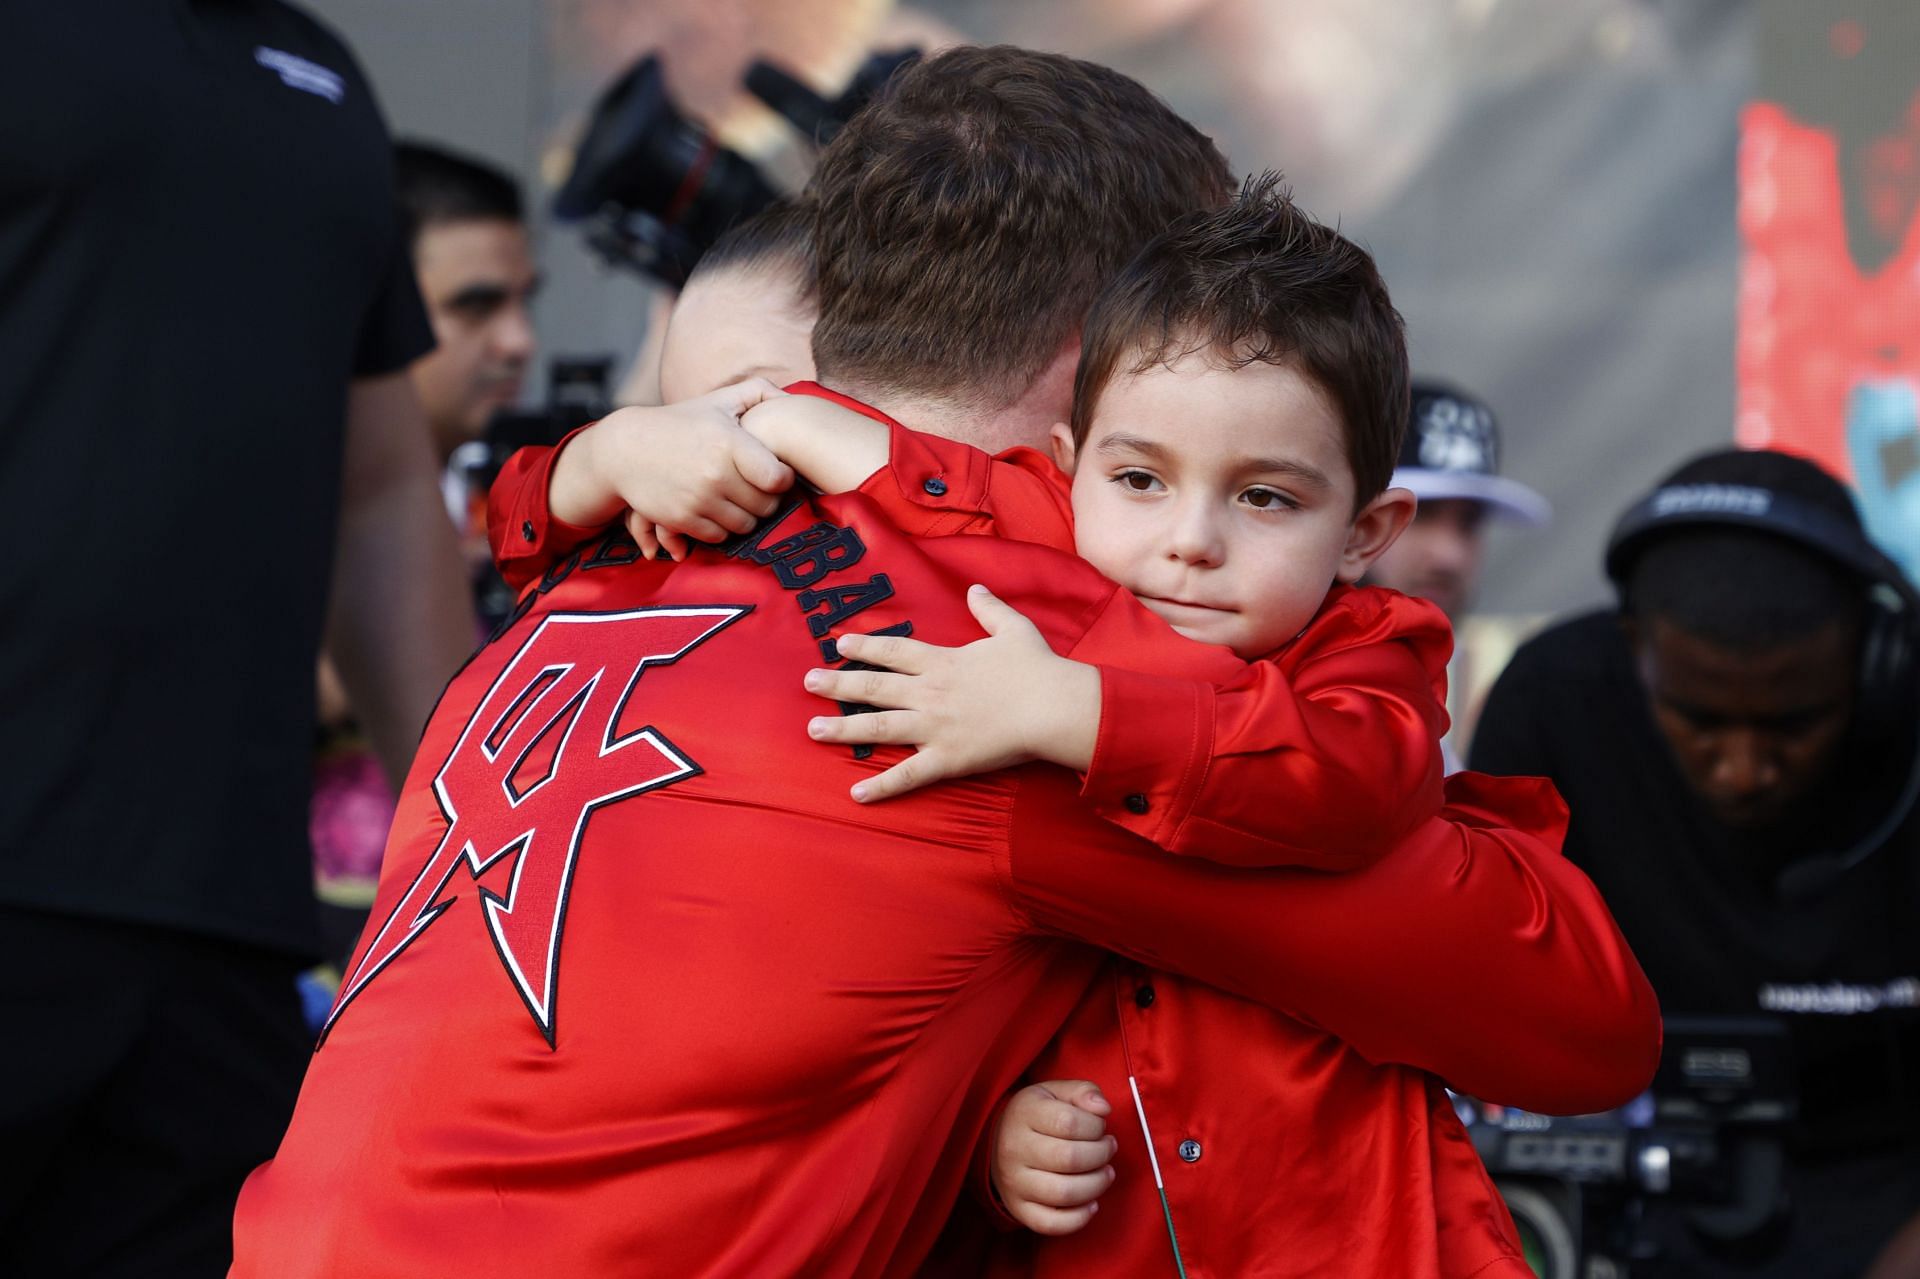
pixel 1223 499
pixel 736 322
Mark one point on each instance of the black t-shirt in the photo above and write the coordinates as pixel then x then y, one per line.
pixel 1702 909
pixel 199 249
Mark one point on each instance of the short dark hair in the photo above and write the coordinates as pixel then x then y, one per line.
pixel 778 237
pixel 968 215
pixel 436 185
pixel 1260 281
pixel 1744 588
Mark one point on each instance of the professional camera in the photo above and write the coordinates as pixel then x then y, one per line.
pixel 576 395
pixel 1707 1139
pixel 656 190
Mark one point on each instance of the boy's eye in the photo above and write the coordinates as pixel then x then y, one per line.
pixel 1136 481
pixel 1266 499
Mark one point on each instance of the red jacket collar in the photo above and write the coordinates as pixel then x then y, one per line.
pixel 844 401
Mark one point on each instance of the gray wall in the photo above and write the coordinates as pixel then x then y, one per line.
pixel 477 75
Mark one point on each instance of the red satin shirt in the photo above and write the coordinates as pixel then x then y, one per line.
pixel 1284 1151
pixel 646 992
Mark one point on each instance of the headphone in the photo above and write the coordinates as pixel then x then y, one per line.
pixel 1885 698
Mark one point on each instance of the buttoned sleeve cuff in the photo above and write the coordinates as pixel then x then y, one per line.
pixel 931 486
pixel 525 536
pixel 1151 754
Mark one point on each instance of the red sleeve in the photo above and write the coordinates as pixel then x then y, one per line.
pixel 526 538
pixel 933 486
pixel 1473 950
pixel 1321 756
pixel 980 1174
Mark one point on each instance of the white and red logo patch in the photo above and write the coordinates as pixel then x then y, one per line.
pixel 553 716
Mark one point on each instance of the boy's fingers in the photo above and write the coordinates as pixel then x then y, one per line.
pixel 910 774
pixel 732 517
pixel 1068 1122
pixel 874 728
pixel 1053 1222
pixel 640 529
pixel 1050 1154
pixel 700 528
pixel 1054 1190
pixel 737 397
pixel 739 491
pixel 994 614
pixel 675 544
pixel 1083 1093
pixel 759 467
pixel 883 689
pixel 895 652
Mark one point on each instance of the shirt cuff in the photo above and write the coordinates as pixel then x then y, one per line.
pixel 930 486
pixel 527 538
pixel 1151 755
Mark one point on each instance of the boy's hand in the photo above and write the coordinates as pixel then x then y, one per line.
pixel 1003 700
pixel 1052 1158
pixel 686 469
pixel 834 447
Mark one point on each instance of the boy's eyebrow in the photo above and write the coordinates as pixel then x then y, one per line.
pixel 1312 476
pixel 1309 475
pixel 1118 442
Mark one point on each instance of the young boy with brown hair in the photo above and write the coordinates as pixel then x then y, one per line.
pixel 1239 400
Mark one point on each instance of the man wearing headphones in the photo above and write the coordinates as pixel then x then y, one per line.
pixel 1737 744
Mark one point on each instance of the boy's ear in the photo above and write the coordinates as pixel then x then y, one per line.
pixel 1060 444
pixel 1378 526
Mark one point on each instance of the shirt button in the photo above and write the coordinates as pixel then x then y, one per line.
pixel 1137 804
pixel 526 530
pixel 1190 1151
pixel 936 486
pixel 1143 997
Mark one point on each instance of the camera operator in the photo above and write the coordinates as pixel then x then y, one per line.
pixel 1737 744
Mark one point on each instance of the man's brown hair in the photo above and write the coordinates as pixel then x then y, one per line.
pixel 968 215
pixel 1260 280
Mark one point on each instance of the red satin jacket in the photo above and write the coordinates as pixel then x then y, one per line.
pixel 646 992
pixel 1283 1150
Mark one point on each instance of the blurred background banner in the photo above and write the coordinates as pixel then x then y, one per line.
pixel 1577 203
pixel 1829 313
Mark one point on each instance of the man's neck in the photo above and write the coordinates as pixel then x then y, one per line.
pixel 973 421
pixel 953 419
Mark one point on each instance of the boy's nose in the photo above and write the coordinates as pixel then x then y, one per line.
pixel 1195 537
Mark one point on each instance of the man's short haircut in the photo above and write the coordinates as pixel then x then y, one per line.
pixel 1259 280
pixel 968 215
pixel 1746 589
pixel 437 186
pixel 778 238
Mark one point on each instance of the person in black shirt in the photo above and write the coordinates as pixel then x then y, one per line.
pixel 207 315
pixel 1737 745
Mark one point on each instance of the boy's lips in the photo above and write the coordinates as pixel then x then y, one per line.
pixel 1191 606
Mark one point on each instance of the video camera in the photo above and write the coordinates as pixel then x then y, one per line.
pixel 656 190
pixel 1707 1138
pixel 576 395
